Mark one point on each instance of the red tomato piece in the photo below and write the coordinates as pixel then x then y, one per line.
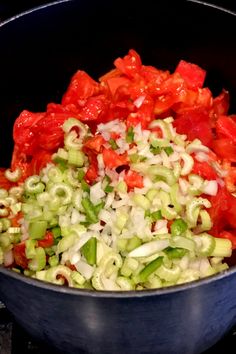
pixel 92 172
pixel 133 179
pixel 204 170
pixel 222 211
pixel 95 143
pixel 19 255
pixel 130 65
pixel 47 241
pixel 93 108
pixel 226 128
pixel 112 159
pixel 225 149
pixel 81 87
pixel 196 125
pixel 221 103
pixel 115 82
pixel 40 159
pixel 23 135
pixel 16 218
pixel 193 75
pixel 48 131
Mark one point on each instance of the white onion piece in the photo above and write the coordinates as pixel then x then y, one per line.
pixel 149 248
pixel 8 258
pixel 85 269
pixel 139 101
pixel 210 187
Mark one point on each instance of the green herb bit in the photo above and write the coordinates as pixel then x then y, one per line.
pixel 169 150
pixel 80 175
pixel 56 231
pixel 130 135
pixel 85 186
pixel 156 215
pixel 113 144
pixel 155 150
pixel 108 189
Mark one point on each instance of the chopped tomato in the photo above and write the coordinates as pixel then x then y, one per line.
pixel 225 149
pixel 226 128
pixel 221 103
pixel 133 179
pixel 92 172
pixel 15 220
pixel 23 135
pixel 222 211
pixel 115 82
pixel 204 170
pixel 80 88
pixel 193 75
pixel 40 159
pixel 112 159
pixel 19 255
pixel 95 143
pixel 130 65
pixel 196 124
pixel 47 241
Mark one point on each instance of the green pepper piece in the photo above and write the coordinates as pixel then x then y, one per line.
pixel 90 211
pixel 89 250
pixel 178 227
pixel 149 269
pixel 174 253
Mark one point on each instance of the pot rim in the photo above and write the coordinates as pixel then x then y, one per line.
pixel 117 294
pixel 114 294
pixel 59 2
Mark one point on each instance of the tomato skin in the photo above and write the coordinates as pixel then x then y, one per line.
pixel 95 143
pixel 40 159
pixel 81 87
pixel 222 211
pixel 193 75
pixel 112 159
pixel 221 103
pixel 130 65
pixel 23 135
pixel 115 82
pixel 204 170
pixel 15 220
pixel 19 255
pixel 225 149
pixel 47 241
pixel 48 131
pixel 226 128
pixel 133 179
pixel 93 108
pixel 196 125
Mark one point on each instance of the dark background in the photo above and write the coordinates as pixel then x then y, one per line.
pixel 9 8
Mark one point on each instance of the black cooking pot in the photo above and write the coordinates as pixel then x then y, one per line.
pixel 40 50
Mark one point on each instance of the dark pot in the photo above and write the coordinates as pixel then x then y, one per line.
pixel 40 50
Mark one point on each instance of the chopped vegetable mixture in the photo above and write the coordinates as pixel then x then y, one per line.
pixel 127 184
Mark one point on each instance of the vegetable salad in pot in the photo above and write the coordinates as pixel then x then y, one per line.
pixel 127 184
